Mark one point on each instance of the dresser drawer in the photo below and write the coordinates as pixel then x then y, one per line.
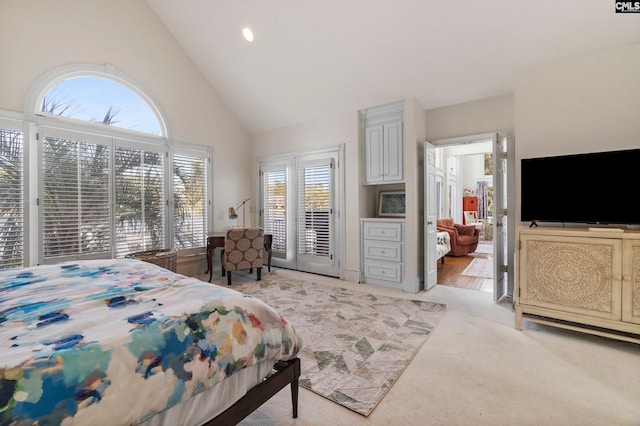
pixel 383 231
pixel 388 271
pixel 383 250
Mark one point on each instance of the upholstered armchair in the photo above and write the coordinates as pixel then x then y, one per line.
pixel 243 249
pixel 463 238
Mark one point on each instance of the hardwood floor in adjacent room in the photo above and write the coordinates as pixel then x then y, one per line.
pixel 450 274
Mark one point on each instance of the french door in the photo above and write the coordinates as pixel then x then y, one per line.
pixel 504 207
pixel 299 207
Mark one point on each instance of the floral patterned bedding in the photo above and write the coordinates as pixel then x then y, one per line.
pixel 117 341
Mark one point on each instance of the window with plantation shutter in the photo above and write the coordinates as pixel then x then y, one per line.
pixel 190 200
pixel 314 209
pixel 75 199
pixel 140 199
pixel 11 199
pixel 274 187
pixel 99 181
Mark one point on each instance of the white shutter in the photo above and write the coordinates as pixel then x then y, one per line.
pixel 75 202
pixel 190 200
pixel 140 199
pixel 314 209
pixel 274 189
pixel 11 199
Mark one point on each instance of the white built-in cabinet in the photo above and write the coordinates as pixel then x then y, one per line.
pixel 383 144
pixel 383 251
pixel 580 279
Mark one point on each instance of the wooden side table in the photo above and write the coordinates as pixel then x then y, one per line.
pixel 214 240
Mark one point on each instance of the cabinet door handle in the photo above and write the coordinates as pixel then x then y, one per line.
pixel 618 277
pixel 627 278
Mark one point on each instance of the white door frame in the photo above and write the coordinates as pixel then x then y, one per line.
pixel 507 244
pixel 289 160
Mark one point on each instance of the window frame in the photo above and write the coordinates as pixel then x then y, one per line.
pixel 32 124
pixel 196 151
pixel 15 123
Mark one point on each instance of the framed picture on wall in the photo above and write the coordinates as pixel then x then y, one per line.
pixel 391 204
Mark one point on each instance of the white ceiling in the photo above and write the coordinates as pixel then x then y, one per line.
pixel 315 58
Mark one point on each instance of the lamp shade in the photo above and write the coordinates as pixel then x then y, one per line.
pixel 232 213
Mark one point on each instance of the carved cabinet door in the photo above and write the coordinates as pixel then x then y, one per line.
pixel 631 282
pixel 573 275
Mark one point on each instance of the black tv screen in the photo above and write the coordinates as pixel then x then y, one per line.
pixel 594 188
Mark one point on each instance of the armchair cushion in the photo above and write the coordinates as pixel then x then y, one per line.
pixel 464 239
pixel 465 229
pixel 243 249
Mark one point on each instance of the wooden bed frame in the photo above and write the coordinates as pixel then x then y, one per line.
pixel 287 372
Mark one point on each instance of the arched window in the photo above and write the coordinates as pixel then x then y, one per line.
pixel 100 100
pixel 110 181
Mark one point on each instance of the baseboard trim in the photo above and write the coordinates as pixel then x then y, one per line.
pixel 411 285
pixel 352 275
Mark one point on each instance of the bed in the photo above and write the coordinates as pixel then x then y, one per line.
pixel 443 245
pixel 125 342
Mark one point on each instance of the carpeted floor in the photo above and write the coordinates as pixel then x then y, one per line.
pixel 356 344
pixel 476 369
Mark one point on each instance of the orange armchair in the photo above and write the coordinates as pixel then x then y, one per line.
pixel 464 238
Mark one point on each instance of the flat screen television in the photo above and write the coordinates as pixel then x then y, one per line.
pixel 594 188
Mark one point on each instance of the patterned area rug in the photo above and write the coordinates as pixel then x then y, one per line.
pixel 356 344
pixel 484 248
pixel 479 267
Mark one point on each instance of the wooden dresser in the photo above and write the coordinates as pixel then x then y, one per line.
pixel 580 280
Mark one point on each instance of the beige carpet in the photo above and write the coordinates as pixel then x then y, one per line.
pixel 476 369
pixel 356 344
pixel 479 267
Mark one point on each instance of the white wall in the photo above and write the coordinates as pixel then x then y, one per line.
pixel 473 168
pixel 580 105
pixel 39 36
pixel 343 129
pixel 414 137
pixel 470 118
pixel 327 132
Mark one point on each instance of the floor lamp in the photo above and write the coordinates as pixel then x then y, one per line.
pixel 234 215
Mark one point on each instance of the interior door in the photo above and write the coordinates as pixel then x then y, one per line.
pixel 430 216
pixel 503 229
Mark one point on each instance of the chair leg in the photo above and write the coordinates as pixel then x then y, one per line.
pixel 229 278
pixel 259 273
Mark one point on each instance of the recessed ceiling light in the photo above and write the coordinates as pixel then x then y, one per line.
pixel 247 33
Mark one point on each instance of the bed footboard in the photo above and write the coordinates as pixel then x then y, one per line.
pixel 287 372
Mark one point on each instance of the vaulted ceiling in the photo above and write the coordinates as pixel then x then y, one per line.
pixel 315 58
